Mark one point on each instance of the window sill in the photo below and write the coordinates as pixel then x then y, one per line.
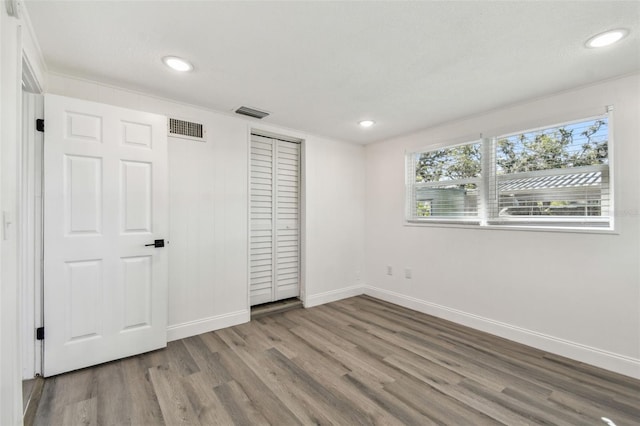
pixel 506 227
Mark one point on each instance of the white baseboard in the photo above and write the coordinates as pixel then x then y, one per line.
pixel 332 296
pixel 205 325
pixel 600 358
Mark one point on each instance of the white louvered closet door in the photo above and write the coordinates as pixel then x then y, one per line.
pixel 287 259
pixel 275 220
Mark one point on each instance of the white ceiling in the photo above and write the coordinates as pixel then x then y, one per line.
pixel 322 66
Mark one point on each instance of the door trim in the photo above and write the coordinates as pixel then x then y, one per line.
pixel 30 223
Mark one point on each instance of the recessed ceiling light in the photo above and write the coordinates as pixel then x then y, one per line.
pixel 366 123
pixel 177 64
pixel 607 38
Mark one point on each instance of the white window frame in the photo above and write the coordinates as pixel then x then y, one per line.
pixel 488 193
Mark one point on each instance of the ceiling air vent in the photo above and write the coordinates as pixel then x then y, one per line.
pixel 187 130
pixel 252 112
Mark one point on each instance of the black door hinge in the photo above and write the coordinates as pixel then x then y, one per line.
pixel 40 124
pixel 40 333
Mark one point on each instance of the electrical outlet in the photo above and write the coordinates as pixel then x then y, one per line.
pixel 389 270
pixel 407 273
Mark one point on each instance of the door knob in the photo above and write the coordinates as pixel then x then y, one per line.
pixel 156 243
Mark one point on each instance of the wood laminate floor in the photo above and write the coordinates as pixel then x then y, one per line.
pixel 356 361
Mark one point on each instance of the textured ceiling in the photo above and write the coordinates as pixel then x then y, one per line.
pixel 322 66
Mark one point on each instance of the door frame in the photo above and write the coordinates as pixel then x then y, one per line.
pixel 30 225
pixel 291 136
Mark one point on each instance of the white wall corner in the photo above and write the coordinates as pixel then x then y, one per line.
pixel 621 364
pixel 332 296
pixel 205 325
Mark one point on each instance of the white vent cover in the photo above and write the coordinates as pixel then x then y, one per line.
pixel 187 130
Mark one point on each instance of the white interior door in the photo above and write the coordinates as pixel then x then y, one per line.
pixel 105 200
pixel 275 220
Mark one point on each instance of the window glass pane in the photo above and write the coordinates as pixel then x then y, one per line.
pixel 572 145
pixel 460 162
pixel 445 183
pixel 555 172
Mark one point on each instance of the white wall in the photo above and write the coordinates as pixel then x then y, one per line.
pixel 335 220
pixel 575 294
pixel 208 286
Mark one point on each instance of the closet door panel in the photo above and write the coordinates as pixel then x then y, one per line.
pixel 287 220
pixel 261 214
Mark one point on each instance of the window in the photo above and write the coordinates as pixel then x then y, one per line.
pixel 556 176
pixel 444 183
